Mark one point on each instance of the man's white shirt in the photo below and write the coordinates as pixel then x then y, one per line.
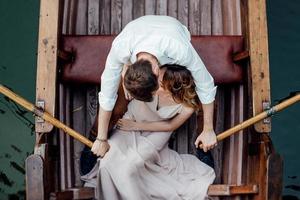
pixel 165 38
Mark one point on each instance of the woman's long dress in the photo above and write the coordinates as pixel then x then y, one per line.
pixel 140 166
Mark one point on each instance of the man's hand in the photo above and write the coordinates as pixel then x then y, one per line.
pixel 206 140
pixel 100 148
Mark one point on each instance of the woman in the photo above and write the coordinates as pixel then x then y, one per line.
pixel 139 164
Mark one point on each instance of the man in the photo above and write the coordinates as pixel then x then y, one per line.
pixel 159 40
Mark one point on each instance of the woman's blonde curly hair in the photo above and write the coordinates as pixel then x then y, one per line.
pixel 179 81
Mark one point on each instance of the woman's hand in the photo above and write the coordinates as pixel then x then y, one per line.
pixel 127 125
pixel 206 140
pixel 100 148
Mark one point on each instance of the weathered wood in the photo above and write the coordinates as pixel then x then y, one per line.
pixel 93 17
pixel 183 12
pixel 91 106
pixel 69 142
pixel 150 7
pixel 205 19
pixel 259 58
pixel 230 190
pixel 275 179
pixel 81 17
pixel 47 58
pixel 127 8
pixel 62 136
pixel 35 177
pixel 161 7
pixel 172 8
pixel 217 24
pixel 194 17
pixel 105 17
pixel 138 8
pixel 182 138
pixel 219 115
pixel 116 17
pixel 79 124
pixel 231 17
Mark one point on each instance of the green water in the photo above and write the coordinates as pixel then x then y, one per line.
pixel 18 44
pixel 284 43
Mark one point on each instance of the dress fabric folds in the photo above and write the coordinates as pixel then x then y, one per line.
pixel 140 166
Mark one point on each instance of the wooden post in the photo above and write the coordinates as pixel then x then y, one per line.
pixel 259 59
pixel 47 60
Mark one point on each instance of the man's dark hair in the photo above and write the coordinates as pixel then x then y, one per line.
pixel 140 81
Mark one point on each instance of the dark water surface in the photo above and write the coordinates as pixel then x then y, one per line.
pixel 18 44
pixel 284 43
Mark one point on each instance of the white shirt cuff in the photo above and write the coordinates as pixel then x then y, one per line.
pixel 207 96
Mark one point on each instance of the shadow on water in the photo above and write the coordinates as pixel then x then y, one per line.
pixel 18 112
pixel 5 180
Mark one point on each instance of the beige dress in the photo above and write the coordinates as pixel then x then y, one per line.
pixel 141 166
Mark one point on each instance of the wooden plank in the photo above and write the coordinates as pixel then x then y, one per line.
pixel 275 179
pixel 205 19
pixel 150 7
pixel 230 190
pixel 183 12
pixel 79 123
pixel 62 136
pixel 91 106
pixel 192 134
pixel 69 143
pixel 138 8
pixel 161 7
pixel 116 16
pixel 217 23
pixel 231 17
pixel 219 114
pixel 46 59
pixel 105 17
pixel 81 17
pixel 259 59
pixel 194 17
pixel 172 8
pixel 127 8
pixel 182 138
pixel 34 177
pixel 66 16
pixel 93 17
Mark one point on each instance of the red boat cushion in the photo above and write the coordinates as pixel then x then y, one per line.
pixel 90 52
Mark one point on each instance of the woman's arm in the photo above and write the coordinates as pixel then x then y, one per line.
pixel 164 126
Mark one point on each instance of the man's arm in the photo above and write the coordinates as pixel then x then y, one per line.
pixel 207 137
pixel 110 79
pixel 186 55
pixel 101 146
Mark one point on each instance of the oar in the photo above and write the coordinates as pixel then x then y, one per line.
pixel 47 117
pixel 284 104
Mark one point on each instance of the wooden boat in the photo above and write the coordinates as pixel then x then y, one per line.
pixel 246 164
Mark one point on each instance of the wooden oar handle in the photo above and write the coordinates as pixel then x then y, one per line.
pixel 46 116
pixel 259 117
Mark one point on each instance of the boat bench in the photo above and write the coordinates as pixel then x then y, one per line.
pixel 81 63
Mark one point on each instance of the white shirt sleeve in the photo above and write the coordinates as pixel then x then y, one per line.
pixel 186 55
pixel 110 80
